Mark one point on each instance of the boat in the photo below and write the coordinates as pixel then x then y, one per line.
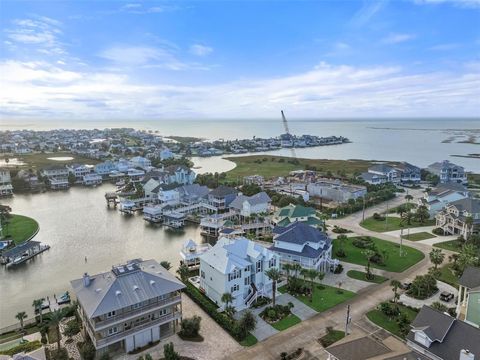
pixel 64 298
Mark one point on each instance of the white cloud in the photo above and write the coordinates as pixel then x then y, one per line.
pixel 200 50
pixel 444 47
pixel 460 3
pixel 398 38
pixel 43 90
pixel 368 10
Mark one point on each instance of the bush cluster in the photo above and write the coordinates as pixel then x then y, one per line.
pixel 277 312
pixel 25 347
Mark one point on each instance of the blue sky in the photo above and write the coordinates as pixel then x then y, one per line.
pixel 227 59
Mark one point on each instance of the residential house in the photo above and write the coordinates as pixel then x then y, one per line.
pixel 253 180
pixel 141 162
pixel 135 175
pixel 79 171
pixel 408 173
pixel 335 190
pixel 193 193
pixel 373 179
pixel 191 252
pixel 305 245
pixel 468 304
pixel 296 213
pixel 57 177
pixel 439 336
pixel 6 188
pixel 251 205
pixel 180 174
pixel 222 196
pixel 448 172
pixel 389 173
pixel 237 266
pixel 130 306
pixel 166 154
pixel 435 200
pixel 168 194
pixel 105 168
pixel 92 179
pixel 461 217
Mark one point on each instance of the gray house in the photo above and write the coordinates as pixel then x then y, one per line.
pixel 129 306
pixel 448 172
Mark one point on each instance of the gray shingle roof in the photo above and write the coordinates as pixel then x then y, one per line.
pixel 468 204
pixel 383 168
pixel 300 233
pixel 359 349
pixel 223 191
pixel 433 323
pixel 470 277
pixel 260 198
pixel 112 291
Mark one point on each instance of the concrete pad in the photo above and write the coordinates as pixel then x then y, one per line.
pixel 300 309
pixel 407 300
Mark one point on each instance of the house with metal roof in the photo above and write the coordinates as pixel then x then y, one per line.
pixel 438 335
pixel 296 213
pixel 222 196
pixel 250 205
pixel 305 245
pixel 461 217
pixel 129 306
pixel 436 199
pixel 448 172
pixel 237 266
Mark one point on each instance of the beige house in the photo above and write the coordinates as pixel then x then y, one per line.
pixel 461 217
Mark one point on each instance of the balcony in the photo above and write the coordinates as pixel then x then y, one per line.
pixel 135 312
pixel 100 342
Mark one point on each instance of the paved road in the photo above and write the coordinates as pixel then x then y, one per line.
pixel 307 332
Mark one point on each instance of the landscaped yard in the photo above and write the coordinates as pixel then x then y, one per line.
pixel 331 337
pixel 452 245
pixel 394 261
pixel 20 228
pixel 419 236
pixel 286 322
pixel 360 275
pixel 250 340
pixel 324 297
pixel 446 275
pixel 393 223
pixel 378 317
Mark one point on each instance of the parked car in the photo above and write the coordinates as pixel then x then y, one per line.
pixel 446 296
pixel 406 286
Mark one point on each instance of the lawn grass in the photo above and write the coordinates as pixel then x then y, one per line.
pixel 20 228
pixel 446 275
pixel 250 340
pixel 286 322
pixel 419 236
pixel 270 166
pixel 393 223
pixel 12 335
pixel 323 299
pixel 379 318
pixel 452 245
pixel 331 337
pixel 40 160
pixel 394 263
pixel 360 275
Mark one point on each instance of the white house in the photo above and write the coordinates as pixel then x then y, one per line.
pixel 141 162
pixel 166 154
pixel 105 168
pixel 55 171
pixel 335 190
pixel 180 174
pixel 237 266
pixel 79 171
pixel 387 172
pixel 92 179
pixel 249 205
pixel 305 245
pixel 6 188
pixel 448 172
pixel 436 199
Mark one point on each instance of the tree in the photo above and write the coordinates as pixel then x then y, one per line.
pixel 469 256
pixel 436 257
pixel 227 299
pixel 166 264
pixel 184 272
pixel 169 352
pixel 190 327
pixel 422 214
pixel 369 254
pixel 468 225
pixel 246 324
pixel 22 315
pixel 439 306
pixel 72 329
pixel 408 197
pixel 296 267
pixel 402 210
pixel 71 178
pixel 87 351
pixel 287 268
pixel 273 274
pixel 37 306
pixel 312 274
pixel 395 284
pixel 55 319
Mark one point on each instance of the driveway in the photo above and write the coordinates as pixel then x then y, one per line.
pixel 410 301
pixel 300 309
pixel 263 330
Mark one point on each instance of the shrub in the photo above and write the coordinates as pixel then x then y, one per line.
pixel 59 354
pixel 338 269
pixel 389 310
pixel 72 329
pixel 106 356
pixel 277 312
pixel 363 242
pixel 87 351
pixel 148 357
pixel 25 347
pixel 341 253
pixel 378 217
pixel 190 327
pixel 339 230
pixel 169 352
pixel 261 301
pixel 438 231
pixel 439 306
pixel 423 286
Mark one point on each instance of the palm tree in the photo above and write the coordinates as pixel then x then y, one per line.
pixel 273 274
pixel 395 286
pixel 468 225
pixel 183 272
pixel 296 267
pixel 436 257
pixel 368 255
pixel 55 319
pixel 22 315
pixel 312 274
pixel 287 268
pixel 408 197
pixel 166 264
pixel 37 306
pixel 227 299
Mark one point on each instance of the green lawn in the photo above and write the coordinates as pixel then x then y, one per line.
pixel 393 223
pixel 250 340
pixel 40 160
pixel 379 318
pixel 324 299
pixel 394 263
pixel 452 245
pixel 20 228
pixel 331 337
pixel 360 275
pixel 286 322
pixel 419 236
pixel 447 276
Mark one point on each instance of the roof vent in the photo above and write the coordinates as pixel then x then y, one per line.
pixel 152 282
pixel 152 266
pixel 118 293
pixel 98 290
pixel 135 287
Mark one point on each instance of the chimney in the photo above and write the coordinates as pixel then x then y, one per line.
pixel 86 279
pixel 466 355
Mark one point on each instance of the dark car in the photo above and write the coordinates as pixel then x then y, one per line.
pixel 446 296
pixel 406 286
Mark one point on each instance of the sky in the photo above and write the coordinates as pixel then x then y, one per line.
pixel 247 59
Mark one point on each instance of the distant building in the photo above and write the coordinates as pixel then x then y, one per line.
pixel 92 179
pixel 180 174
pixel 373 179
pixel 222 196
pixel 297 213
pixel 408 173
pixel 6 188
pixel 335 190
pixel 397 173
pixel 79 171
pixel 435 200
pixel 166 154
pixel 130 306
pixel 448 172
pixel 304 245
pixel 55 172
pixel 437 335
pixel 461 217
pixel 251 205
pixel 253 180
pixel 105 168
pixel 237 266
pixel 141 162
pixel 193 193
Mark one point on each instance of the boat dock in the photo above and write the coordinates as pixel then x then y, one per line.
pixel 21 253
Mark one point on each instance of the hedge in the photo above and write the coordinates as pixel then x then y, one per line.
pixel 26 347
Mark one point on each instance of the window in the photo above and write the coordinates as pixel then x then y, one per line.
pixel 110 314
pixel 247 280
pixel 272 262
pixel 259 266
pixel 202 274
pixel 234 288
pixel 112 330
pixel 236 274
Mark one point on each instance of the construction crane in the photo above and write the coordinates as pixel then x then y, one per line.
pixel 287 131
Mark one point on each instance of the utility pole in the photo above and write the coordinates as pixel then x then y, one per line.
pixel 386 218
pixel 363 212
pixel 401 241
pixel 347 320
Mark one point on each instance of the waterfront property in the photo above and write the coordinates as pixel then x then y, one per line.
pixel 57 177
pixel 251 205
pixel 461 217
pixel 6 188
pixel 302 244
pixel 335 190
pixel 448 172
pixel 129 307
pixel 403 172
pixel 435 200
pixel 222 196
pixel 21 253
pixel 237 266
pixel 387 172
pixel 79 171
pixel 468 304
pixel 191 252
pixel 92 179
pixel 296 213
pixel 437 335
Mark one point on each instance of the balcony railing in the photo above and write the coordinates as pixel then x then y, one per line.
pixel 144 325
pixel 135 312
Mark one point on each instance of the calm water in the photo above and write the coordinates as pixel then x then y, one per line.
pixel 77 223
